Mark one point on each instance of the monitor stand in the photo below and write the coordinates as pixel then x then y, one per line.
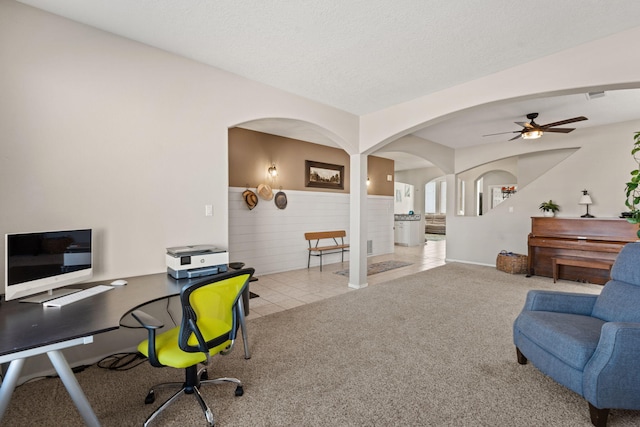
pixel 49 295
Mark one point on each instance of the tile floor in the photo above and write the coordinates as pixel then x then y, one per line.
pixel 281 291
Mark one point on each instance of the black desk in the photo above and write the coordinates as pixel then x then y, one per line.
pixel 28 329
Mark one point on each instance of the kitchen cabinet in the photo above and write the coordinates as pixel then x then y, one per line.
pixel 409 230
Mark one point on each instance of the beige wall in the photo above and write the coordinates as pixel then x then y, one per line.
pixel 251 154
pixel 103 132
pixel 100 131
pixel 419 178
pixel 147 135
pixel 601 165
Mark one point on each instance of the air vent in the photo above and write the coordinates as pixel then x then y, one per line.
pixel 594 95
pixel 369 247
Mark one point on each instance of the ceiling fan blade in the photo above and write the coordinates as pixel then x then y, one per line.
pixel 516 137
pixel 564 122
pixel 560 130
pixel 502 133
pixel 525 125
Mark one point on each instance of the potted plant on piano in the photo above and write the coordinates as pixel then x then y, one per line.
pixel 549 208
pixel 632 191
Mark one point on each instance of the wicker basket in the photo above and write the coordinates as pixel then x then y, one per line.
pixel 511 263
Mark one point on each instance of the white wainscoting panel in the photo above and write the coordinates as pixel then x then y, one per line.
pixel 380 224
pixel 272 240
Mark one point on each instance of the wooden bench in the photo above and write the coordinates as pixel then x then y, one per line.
pixel 317 250
pixel 601 264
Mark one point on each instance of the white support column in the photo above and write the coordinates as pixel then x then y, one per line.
pixel 358 222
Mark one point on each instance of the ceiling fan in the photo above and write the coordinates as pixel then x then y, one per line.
pixel 532 130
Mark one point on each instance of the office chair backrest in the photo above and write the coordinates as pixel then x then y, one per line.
pixel 620 297
pixel 210 310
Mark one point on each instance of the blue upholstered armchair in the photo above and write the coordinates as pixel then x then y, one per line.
pixel 589 343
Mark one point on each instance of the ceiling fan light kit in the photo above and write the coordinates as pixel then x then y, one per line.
pixel 532 134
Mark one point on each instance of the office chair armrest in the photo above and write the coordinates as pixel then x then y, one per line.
pixel 151 324
pixel 146 320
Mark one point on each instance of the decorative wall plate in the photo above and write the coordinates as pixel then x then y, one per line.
pixel 281 200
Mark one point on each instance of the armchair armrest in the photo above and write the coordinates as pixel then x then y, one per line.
pixel 151 324
pixel 612 376
pixel 560 302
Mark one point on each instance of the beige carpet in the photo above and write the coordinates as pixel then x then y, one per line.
pixel 431 349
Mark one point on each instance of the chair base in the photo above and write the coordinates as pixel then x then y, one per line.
pixel 194 379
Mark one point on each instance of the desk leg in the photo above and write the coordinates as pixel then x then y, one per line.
pixel 73 388
pixel 9 383
pixel 243 326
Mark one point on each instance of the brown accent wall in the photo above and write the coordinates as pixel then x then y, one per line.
pixel 379 169
pixel 251 154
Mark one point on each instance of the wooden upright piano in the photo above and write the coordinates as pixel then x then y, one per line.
pixel 590 238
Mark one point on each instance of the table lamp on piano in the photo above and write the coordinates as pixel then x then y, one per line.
pixel 585 199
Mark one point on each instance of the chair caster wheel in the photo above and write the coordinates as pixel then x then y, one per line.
pixel 210 419
pixel 204 376
pixel 239 391
pixel 151 397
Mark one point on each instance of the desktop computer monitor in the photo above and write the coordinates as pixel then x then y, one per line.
pixel 44 261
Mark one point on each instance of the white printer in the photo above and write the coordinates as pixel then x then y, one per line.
pixel 188 262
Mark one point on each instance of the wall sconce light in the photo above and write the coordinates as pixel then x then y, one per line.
pixel 368 181
pixel 273 172
pixel 585 199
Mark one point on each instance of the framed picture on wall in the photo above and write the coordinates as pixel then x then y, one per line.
pixel 324 175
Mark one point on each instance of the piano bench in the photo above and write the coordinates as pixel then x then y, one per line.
pixel 601 264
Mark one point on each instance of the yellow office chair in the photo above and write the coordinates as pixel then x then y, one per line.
pixel 212 310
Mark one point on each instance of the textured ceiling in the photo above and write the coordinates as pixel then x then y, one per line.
pixel 356 55
pixel 365 55
pixel 469 128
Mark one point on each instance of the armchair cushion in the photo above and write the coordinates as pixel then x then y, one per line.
pixel 571 338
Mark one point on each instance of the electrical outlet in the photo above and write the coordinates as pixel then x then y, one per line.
pixel 208 210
